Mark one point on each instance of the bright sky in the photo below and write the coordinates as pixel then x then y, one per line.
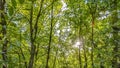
pixel 64 7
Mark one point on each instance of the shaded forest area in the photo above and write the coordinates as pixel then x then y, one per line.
pixel 60 33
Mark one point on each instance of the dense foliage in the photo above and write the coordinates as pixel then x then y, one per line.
pixel 60 33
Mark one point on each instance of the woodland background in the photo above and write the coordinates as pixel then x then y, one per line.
pixel 60 33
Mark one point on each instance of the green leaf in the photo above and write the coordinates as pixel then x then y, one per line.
pixel 0 20
pixel 21 1
pixel 11 11
pixel 14 4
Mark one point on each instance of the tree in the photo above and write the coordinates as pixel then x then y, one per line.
pixel 4 32
pixel 59 33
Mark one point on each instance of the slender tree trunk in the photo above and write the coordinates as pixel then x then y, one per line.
pixel 92 50
pixel 32 52
pixel 56 55
pixel 23 56
pixel 4 32
pixel 85 57
pixel 19 60
pixel 33 33
pixel 36 28
pixel 92 9
pixel 21 51
pixel 54 62
pixel 114 15
pixel 50 38
pixel 80 61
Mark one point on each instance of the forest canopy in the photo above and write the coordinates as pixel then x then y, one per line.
pixel 60 33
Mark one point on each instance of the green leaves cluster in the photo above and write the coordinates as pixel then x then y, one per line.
pixel 72 23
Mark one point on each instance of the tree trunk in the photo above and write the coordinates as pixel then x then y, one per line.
pixel 92 9
pixel 80 61
pixel 50 38
pixel 32 52
pixel 33 33
pixel 4 32
pixel 114 20
pixel 85 57
pixel 54 62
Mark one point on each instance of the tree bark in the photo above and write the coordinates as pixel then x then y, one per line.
pixel 114 20
pixel 85 57
pixel 92 50
pixel 50 37
pixel 92 9
pixel 33 33
pixel 80 61
pixel 32 52
pixel 4 32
